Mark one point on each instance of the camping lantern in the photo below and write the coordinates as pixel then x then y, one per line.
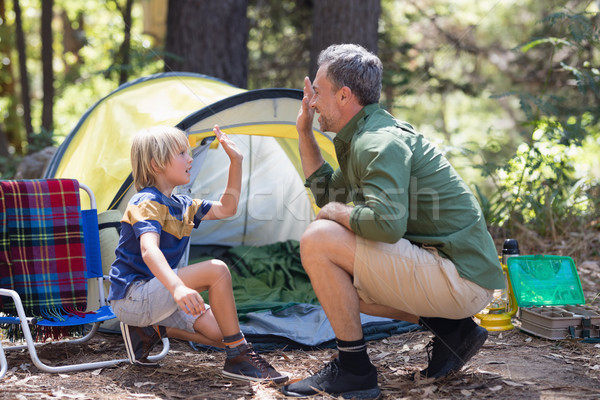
pixel 498 314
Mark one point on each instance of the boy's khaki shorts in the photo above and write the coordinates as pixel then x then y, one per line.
pixel 150 303
pixel 415 280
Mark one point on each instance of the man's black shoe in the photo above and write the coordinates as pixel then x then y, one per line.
pixel 336 381
pixel 449 353
pixel 437 356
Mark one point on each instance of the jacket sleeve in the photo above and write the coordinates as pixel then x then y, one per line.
pixel 384 173
pixel 327 185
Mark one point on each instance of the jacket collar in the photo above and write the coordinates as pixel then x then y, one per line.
pixel 357 123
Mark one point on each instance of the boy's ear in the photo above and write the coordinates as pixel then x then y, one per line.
pixel 154 166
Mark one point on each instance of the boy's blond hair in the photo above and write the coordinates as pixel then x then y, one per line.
pixel 158 144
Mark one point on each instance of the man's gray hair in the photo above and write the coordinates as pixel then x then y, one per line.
pixel 353 66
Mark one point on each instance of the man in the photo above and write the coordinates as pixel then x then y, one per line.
pixel 413 246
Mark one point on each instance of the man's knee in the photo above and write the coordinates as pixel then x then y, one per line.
pixel 318 233
pixel 327 241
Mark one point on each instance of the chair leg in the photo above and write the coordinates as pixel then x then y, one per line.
pixel 3 362
pixel 163 353
pixel 31 344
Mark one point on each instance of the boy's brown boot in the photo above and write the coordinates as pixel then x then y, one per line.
pixel 139 342
pixel 244 363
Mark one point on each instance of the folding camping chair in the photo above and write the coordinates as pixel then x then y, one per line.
pixel 41 223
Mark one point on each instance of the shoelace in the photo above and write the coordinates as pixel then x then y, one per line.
pixel 257 360
pixel 429 349
pixel 329 371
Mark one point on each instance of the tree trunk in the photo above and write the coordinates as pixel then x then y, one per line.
pixel 125 49
pixel 73 41
pixel 24 77
pixel 47 68
pixel 208 37
pixel 343 21
pixel 10 128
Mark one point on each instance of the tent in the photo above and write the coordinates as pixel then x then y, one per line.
pixel 96 151
pixel 275 207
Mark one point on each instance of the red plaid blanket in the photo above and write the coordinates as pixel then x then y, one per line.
pixel 4 238
pixel 41 246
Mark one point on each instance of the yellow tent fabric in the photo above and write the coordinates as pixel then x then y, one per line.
pixel 268 113
pixel 97 150
pixel 286 136
pixel 274 130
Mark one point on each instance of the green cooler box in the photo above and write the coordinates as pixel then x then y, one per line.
pixel 550 298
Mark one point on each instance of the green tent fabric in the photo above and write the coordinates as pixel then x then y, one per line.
pixel 268 277
pixel 276 304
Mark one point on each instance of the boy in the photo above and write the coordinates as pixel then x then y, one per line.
pixel 147 288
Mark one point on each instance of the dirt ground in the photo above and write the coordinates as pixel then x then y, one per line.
pixel 511 365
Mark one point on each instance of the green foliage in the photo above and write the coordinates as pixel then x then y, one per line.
pixel 527 149
pixel 540 186
pixel 537 188
pixel 278 43
pixel 9 166
pixel 40 140
pixel 85 71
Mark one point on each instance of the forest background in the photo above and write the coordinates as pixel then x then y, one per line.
pixel 509 90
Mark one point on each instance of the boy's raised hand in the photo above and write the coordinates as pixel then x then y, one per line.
pixel 228 145
pixel 226 206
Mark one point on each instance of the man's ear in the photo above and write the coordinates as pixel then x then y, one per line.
pixel 345 94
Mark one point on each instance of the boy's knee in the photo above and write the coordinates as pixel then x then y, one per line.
pixel 220 268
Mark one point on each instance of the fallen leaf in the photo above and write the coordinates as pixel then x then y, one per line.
pixel 382 355
pixel 428 391
pixel 140 384
pixel 25 380
pixel 511 383
pixel 418 347
pixel 62 395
